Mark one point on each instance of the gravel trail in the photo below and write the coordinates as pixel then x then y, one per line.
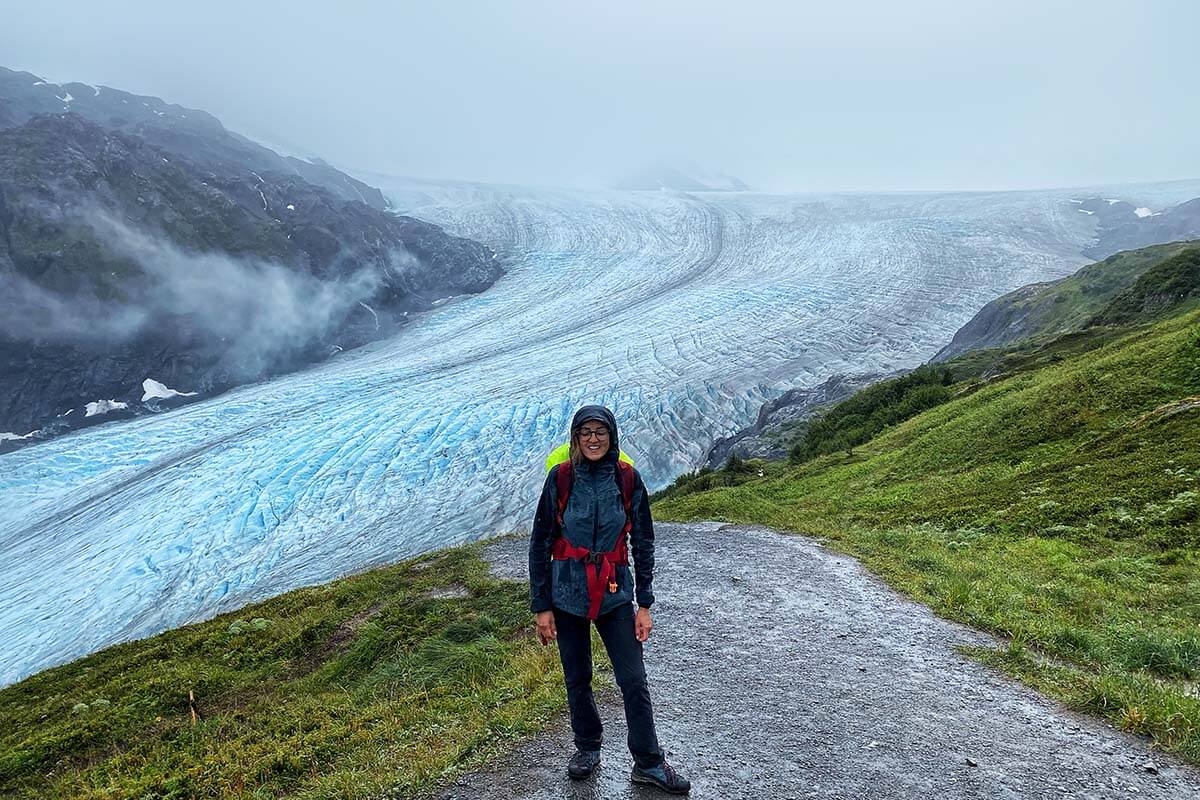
pixel 781 669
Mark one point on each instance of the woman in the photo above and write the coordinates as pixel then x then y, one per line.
pixel 568 542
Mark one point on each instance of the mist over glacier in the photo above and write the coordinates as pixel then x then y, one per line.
pixel 682 312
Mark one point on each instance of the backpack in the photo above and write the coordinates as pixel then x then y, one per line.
pixel 563 453
pixel 605 563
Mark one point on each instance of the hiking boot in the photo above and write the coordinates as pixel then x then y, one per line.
pixel 582 763
pixel 662 776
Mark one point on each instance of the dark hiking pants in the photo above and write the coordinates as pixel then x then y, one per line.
pixel 625 651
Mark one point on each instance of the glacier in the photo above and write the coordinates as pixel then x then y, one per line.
pixel 681 312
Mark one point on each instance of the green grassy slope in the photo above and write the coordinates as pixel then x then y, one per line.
pixel 1058 506
pixel 1070 303
pixel 388 681
pixel 1160 288
pixel 1046 310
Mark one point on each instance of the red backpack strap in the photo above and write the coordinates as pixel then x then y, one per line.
pixel 625 482
pixel 562 485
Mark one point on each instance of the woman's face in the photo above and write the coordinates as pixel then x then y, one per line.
pixel 593 439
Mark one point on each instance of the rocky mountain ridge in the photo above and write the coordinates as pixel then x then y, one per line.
pixel 187 132
pixel 128 265
pixel 1123 225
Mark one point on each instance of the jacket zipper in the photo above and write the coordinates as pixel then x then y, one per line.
pixel 595 512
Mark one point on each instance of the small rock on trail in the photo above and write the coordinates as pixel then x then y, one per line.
pixel 808 677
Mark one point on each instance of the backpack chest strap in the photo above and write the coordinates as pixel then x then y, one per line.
pixel 600 568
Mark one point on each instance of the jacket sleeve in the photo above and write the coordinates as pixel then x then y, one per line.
pixel 545 521
pixel 641 536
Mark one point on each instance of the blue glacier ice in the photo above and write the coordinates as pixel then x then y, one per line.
pixel 681 312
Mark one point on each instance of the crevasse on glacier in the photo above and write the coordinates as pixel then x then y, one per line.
pixel 683 313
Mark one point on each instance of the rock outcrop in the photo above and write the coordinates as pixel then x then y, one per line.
pixel 781 421
pixel 1122 225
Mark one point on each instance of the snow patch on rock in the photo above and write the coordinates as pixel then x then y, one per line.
pixel 152 389
pixel 104 406
pixel 373 314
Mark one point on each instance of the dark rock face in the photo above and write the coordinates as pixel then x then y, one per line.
pixel 1121 226
pixel 123 262
pixel 194 135
pixel 781 421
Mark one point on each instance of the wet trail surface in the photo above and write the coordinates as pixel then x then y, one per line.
pixel 781 669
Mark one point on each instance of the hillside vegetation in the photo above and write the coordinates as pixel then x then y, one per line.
pixel 380 684
pixel 866 413
pixel 1057 504
pixel 1168 283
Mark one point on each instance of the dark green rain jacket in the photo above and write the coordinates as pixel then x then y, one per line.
pixel 593 518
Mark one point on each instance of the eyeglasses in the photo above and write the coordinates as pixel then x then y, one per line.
pixel 593 433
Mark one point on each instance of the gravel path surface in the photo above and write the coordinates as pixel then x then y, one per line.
pixel 780 669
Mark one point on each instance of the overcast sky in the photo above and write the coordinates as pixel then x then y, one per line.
pixel 842 95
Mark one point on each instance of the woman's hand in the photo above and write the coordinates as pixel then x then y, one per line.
pixel 642 624
pixel 547 631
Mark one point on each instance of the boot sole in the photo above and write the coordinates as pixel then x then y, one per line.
pixel 651 782
pixel 582 775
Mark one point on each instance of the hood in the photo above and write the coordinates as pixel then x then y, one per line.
pixel 594 412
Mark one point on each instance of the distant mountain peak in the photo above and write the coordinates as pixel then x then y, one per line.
pixel 680 176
